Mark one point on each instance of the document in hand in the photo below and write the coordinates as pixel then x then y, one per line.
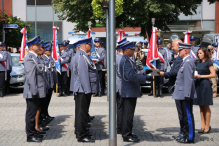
pixel 154 72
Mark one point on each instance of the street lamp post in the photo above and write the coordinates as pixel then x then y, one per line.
pixel 112 76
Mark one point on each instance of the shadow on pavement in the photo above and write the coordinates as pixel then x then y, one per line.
pixel 98 129
pixel 56 127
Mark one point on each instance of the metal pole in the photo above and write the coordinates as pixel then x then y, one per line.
pixel 35 20
pixel 3 31
pixel 107 52
pixel 112 76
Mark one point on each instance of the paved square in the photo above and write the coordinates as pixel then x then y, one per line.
pixel 155 122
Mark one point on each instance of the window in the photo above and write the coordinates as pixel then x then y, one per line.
pixel 44 29
pixel 39 2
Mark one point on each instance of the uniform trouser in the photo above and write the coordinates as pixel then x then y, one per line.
pixel 129 105
pixel 68 81
pixel 119 111
pixel 82 102
pixel 159 82
pixel 7 82
pixel 100 75
pixel 45 103
pixel 32 106
pixel 89 101
pixel 2 80
pixel 103 82
pixel 62 80
pixel 188 119
pixel 179 110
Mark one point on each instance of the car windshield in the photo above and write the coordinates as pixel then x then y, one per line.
pixel 15 60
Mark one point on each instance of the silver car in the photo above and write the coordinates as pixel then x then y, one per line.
pixel 17 74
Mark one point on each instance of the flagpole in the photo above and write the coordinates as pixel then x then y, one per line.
pixel 153 22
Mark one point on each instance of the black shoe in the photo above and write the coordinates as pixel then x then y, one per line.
pixel 44 128
pixel 150 94
pixel 1 93
pixel 38 132
pixel 201 131
pixel 91 117
pixel 38 135
pixel 99 94
pixel 131 139
pixel 49 117
pixel 134 136
pixel 175 136
pixel 180 136
pixel 94 95
pixel 63 93
pixel 86 139
pixel 60 94
pixel 33 139
pixel 183 140
pixel 207 131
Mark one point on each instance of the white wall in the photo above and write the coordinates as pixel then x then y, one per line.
pixel 19 9
pixel 67 27
pixel 208 11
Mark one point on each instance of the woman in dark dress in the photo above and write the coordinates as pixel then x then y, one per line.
pixel 203 88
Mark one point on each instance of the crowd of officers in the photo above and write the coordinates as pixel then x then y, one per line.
pixel 5 70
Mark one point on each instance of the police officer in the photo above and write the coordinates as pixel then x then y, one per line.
pixel 171 84
pixel 62 78
pixel 9 68
pixel 101 53
pixel 50 80
pixel 34 87
pixel 130 90
pixel 85 84
pixel 118 87
pixel 185 92
pixel 192 42
pixel 145 44
pixel 3 68
pixel 162 67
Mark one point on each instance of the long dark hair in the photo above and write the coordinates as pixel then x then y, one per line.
pixel 206 54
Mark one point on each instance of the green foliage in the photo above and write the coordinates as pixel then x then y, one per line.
pixel 13 36
pixel 136 13
pixel 98 11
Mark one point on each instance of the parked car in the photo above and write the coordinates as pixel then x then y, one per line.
pixel 17 74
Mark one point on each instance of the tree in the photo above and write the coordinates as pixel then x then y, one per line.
pixel 13 36
pixel 136 13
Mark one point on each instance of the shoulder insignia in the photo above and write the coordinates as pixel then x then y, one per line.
pixel 30 56
pixel 81 54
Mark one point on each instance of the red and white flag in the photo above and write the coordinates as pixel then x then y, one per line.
pixel 24 48
pixel 55 51
pixel 88 33
pixel 121 33
pixel 187 40
pixel 153 54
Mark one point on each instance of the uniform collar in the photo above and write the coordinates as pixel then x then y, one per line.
pixel 185 58
pixel 46 56
pixel 33 53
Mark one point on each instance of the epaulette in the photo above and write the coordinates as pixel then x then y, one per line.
pixel 81 54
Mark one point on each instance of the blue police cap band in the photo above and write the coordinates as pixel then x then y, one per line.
pixel 215 45
pixel 97 40
pixel 60 45
pixel 192 38
pixel 130 45
pixel 184 46
pixel 48 47
pixel 35 40
pixel 122 41
pixel 159 42
pixel 2 44
pixel 145 43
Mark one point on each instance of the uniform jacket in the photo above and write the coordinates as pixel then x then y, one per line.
pixel 48 72
pixel 70 54
pixel 35 83
pixel 130 78
pixel 160 64
pixel 3 59
pixel 65 59
pixel 173 72
pixel 185 86
pixel 72 73
pixel 101 53
pixel 9 62
pixel 85 74
pixel 53 68
pixel 118 75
